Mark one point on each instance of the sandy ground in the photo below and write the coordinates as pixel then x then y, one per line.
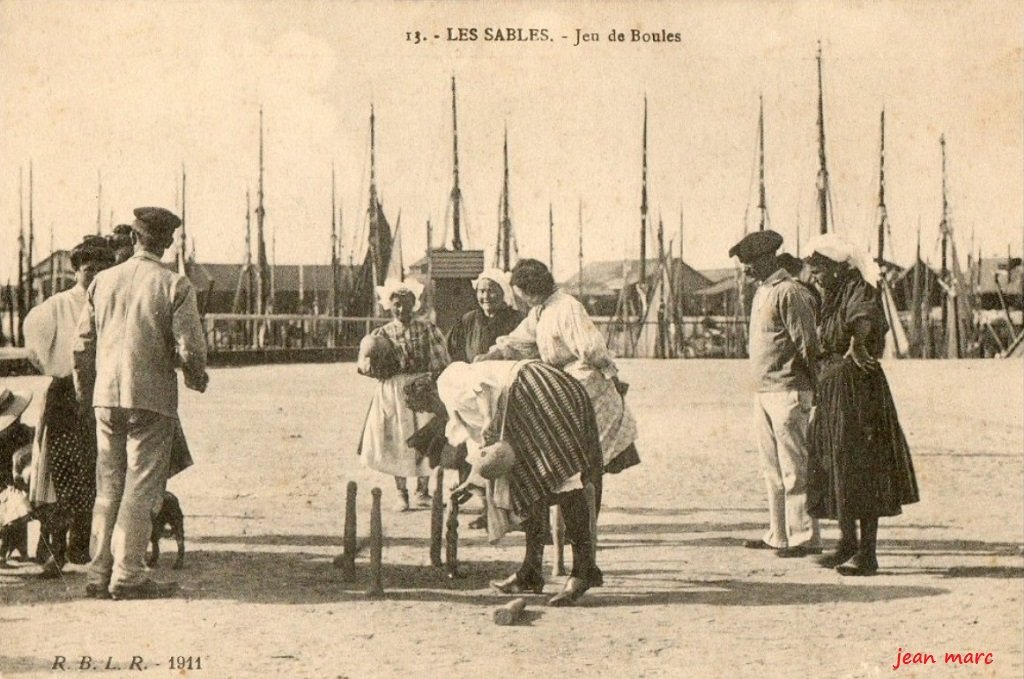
pixel 275 446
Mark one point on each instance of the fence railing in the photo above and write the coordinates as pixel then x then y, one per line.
pixel 244 332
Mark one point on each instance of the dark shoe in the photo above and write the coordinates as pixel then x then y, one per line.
pixel 797 552
pixel 79 557
pixel 596 577
pixel 841 554
pixel 513 585
pixel 859 565
pixel 759 544
pixel 570 594
pixel 148 589
pixel 402 504
pixel 95 590
pixel 479 523
pixel 423 500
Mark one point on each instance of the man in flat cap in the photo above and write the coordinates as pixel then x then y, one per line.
pixel 783 348
pixel 140 321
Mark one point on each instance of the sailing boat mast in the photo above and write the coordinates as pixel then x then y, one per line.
pixel 21 261
pixel 581 250
pixel 334 248
pixel 53 265
pixel 643 208
pixel 247 266
pixel 551 239
pixel 822 166
pixel 883 213
pixel 99 200
pixel 950 280
pixel 762 203
pixel 262 282
pixel 374 238
pixel 944 229
pixel 30 291
pixel 502 254
pixel 456 192
pixel 183 240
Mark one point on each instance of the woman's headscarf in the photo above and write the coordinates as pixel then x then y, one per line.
pixel 833 247
pixel 502 279
pixel 393 286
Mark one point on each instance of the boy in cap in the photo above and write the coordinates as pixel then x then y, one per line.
pixel 783 348
pixel 125 370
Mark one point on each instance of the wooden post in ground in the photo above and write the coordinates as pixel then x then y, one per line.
pixel 347 560
pixel 376 588
pixel 437 519
pixel 557 540
pixel 451 547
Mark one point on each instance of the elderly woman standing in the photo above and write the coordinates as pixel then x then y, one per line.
pixel 859 462
pixel 477 330
pixel 559 331
pixel 64 466
pixel 420 349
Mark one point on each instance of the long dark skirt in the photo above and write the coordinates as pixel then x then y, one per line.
pixel 550 423
pixel 70 441
pixel 859 464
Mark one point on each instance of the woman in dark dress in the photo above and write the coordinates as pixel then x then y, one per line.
pixel 859 463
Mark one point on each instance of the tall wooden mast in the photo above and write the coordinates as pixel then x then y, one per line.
pixel 643 208
pixel 99 200
pixel 456 198
pixel 372 211
pixel 822 166
pixel 262 273
pixel 30 289
pixel 183 237
pixel 883 213
pixel 503 250
pixel 335 272
pixel 21 261
pixel 581 249
pixel 762 202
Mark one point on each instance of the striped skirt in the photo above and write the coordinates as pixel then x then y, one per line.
pixel 550 423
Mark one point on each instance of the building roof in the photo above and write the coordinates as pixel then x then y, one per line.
pixel 602 279
pixel 1006 270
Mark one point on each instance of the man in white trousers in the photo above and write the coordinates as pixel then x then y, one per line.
pixel 140 322
pixel 783 348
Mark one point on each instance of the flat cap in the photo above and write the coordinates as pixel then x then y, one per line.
pixel 155 221
pixel 755 244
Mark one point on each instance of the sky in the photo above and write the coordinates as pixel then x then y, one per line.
pixel 132 92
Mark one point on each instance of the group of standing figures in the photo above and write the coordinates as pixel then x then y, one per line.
pixel 830 443
pixel 109 435
pixel 531 405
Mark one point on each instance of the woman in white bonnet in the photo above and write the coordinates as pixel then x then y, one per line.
pixel 859 465
pixel 477 330
pixel 419 349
